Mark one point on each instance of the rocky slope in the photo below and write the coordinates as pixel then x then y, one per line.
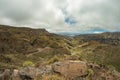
pixel 25 44
pixel 101 48
pixel 89 57
pixel 112 38
pixel 64 70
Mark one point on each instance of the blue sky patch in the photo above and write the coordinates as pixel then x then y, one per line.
pixel 70 21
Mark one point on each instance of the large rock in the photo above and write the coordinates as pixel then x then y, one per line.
pixel 29 73
pixel 5 75
pixel 32 73
pixel 70 69
pixel 15 75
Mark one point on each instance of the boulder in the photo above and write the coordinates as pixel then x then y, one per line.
pixel 45 70
pixel 15 75
pixel 28 73
pixel 5 75
pixel 70 69
pixel 32 73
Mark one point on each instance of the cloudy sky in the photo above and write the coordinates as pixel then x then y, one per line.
pixel 83 16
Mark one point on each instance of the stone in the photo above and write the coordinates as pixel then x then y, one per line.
pixel 70 69
pixel 28 73
pixel 5 75
pixel 15 75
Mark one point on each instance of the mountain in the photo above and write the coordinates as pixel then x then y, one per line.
pixel 17 43
pixel 107 38
pixel 101 48
pixel 98 55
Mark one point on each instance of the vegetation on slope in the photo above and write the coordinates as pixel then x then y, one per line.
pixel 102 48
pixel 25 44
pixel 19 45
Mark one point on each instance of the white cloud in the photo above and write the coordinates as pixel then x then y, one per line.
pixel 51 14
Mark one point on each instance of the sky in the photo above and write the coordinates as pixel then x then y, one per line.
pixel 79 16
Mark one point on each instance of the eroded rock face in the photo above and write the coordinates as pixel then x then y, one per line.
pixel 70 69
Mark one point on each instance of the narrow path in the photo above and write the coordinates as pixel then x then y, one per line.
pixel 38 51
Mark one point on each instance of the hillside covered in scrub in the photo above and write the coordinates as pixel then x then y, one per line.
pixel 21 44
pixel 101 48
pixel 23 47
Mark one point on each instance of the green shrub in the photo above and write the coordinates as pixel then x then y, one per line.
pixel 54 59
pixel 90 72
pixel 28 63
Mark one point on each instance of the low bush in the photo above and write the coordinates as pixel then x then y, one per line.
pixel 28 63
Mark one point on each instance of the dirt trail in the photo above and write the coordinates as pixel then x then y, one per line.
pixel 36 52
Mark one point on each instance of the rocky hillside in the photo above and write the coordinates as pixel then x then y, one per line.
pixel 63 70
pixel 101 48
pixel 22 40
pixel 36 54
pixel 112 38
pixel 25 44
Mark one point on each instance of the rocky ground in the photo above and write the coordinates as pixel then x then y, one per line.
pixel 64 70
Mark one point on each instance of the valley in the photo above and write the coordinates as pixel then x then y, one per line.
pixel 25 47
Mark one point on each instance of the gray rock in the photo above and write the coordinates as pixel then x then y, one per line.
pixel 5 75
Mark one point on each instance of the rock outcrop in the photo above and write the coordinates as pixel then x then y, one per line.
pixel 32 73
pixel 5 75
pixel 15 75
pixel 70 69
